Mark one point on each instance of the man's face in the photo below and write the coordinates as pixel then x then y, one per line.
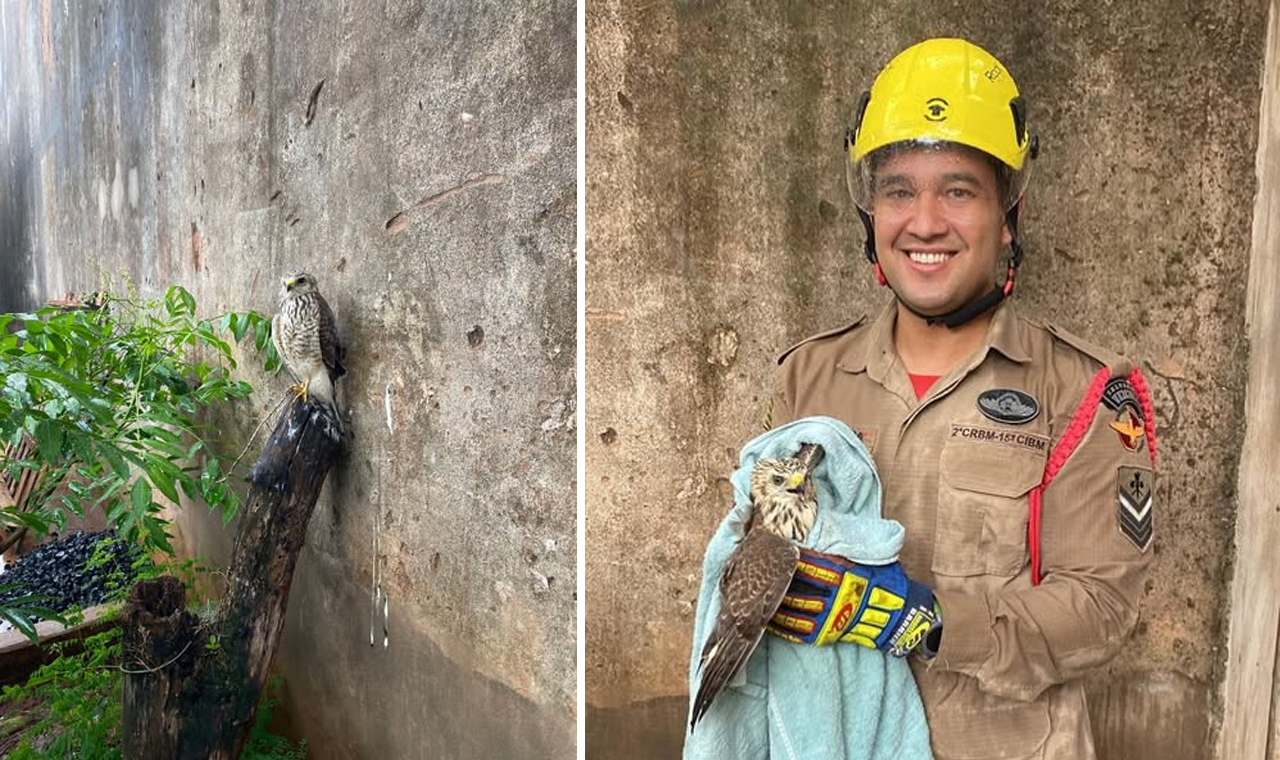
pixel 939 226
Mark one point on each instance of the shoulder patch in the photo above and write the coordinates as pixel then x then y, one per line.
pixel 1120 367
pixel 1135 496
pixel 1119 394
pixel 828 334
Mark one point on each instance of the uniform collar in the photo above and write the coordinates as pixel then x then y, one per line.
pixel 876 353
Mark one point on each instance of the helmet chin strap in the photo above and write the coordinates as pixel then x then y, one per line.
pixel 976 307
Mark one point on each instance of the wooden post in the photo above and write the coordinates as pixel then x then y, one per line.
pixel 201 703
pixel 160 654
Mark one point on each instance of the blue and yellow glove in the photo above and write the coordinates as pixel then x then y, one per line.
pixel 834 599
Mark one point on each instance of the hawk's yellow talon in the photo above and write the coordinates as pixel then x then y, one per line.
pixel 300 390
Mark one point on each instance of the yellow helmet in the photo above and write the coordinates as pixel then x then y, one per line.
pixel 936 92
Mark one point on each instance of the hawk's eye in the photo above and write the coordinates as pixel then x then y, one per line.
pixel 301 280
pixel 778 480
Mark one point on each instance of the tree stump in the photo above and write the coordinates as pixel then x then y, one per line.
pixel 183 696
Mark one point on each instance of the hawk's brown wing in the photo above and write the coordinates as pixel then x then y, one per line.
pixel 754 580
pixel 331 348
pixel 278 339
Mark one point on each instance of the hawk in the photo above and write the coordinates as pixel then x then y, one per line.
pixel 757 574
pixel 307 340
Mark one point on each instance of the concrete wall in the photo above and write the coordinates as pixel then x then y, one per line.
pixel 433 195
pixel 718 232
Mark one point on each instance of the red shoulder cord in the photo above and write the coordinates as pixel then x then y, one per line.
pixel 1075 433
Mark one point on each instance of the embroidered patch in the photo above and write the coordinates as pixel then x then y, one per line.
pixel 1120 394
pixel 1009 406
pixel 1128 425
pixel 1135 495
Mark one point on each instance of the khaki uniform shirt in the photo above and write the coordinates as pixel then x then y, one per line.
pixel 1006 680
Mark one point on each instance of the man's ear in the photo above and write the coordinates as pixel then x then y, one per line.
pixel 1006 235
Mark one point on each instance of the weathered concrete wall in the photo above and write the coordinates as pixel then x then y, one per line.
pixel 719 232
pixel 433 195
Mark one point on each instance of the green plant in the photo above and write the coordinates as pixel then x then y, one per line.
pixel 76 702
pixel 111 397
pixel 73 709
pixel 264 745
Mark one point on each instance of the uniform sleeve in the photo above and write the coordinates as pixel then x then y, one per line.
pixel 1096 533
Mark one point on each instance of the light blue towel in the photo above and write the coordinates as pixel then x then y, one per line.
pixel 798 702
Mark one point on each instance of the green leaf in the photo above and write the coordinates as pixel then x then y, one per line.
pixel 58 344
pixel 223 321
pixel 240 324
pixel 178 302
pixel 30 520
pixel 49 438
pixel 229 510
pixel 206 333
pixel 273 363
pixel 19 620
pixel 115 511
pixel 166 416
pixel 210 472
pixel 163 473
pixel 140 497
pixel 16 382
pixel 164 483
pixel 157 534
pixel 261 334
pixel 170 449
pixel 73 505
pixel 115 459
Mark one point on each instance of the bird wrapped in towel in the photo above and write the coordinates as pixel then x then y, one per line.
pixel 784 507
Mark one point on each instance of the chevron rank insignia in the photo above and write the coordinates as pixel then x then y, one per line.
pixel 1135 494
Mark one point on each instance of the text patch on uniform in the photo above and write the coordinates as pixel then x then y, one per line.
pixel 1009 406
pixel 1135 496
pixel 1004 437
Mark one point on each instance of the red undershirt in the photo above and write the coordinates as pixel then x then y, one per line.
pixel 922 383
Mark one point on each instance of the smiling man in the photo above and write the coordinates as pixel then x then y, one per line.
pixel 1019 458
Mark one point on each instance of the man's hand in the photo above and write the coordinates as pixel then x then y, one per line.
pixel 833 599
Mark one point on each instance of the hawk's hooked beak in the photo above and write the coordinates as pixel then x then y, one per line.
pixel 796 482
pixel 289 282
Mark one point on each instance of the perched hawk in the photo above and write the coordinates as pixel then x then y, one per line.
pixel 306 339
pixel 757 574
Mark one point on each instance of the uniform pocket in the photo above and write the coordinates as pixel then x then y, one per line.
pixel 985 476
pixel 981 728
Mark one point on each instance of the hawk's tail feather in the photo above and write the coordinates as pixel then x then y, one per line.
pixel 810 454
pixel 718 670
